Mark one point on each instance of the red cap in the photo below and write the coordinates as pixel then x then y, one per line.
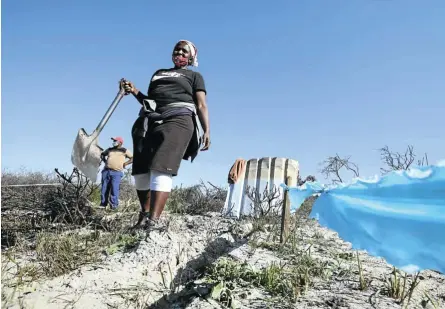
pixel 118 139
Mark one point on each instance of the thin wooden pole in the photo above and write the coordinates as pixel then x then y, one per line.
pixel 285 213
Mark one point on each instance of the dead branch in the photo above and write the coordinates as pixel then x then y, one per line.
pixel 333 166
pixel 395 161
pixel 197 199
pixel 267 203
pixel 70 202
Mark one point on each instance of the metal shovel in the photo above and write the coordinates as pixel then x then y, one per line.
pixel 86 154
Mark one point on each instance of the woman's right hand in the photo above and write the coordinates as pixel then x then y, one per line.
pixel 129 87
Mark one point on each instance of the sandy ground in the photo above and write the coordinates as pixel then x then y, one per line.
pixel 166 259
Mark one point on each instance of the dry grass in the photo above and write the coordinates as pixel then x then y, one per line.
pixel 291 279
pixel 400 287
pixel 64 231
pixel 363 283
pixel 51 230
pixel 61 253
pixel 196 200
pixel 285 280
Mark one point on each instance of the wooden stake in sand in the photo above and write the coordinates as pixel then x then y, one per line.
pixel 285 212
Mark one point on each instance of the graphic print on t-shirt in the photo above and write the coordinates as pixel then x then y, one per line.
pixel 166 74
pixel 174 85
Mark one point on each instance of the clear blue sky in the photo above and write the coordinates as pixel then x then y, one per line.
pixel 300 79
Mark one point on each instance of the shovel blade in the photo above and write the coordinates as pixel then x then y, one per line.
pixel 86 154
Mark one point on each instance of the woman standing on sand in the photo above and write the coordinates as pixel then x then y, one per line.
pixel 167 131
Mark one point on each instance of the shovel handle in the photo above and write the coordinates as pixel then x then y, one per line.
pixel 111 109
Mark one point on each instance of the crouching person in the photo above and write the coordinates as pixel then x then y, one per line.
pixel 115 159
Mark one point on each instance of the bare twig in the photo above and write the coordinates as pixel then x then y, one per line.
pixel 197 199
pixel 267 203
pixel 333 166
pixel 395 161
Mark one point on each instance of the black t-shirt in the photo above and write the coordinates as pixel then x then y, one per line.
pixel 175 85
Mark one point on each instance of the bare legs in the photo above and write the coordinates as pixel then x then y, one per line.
pixel 153 189
pixel 158 200
pixel 152 205
pixel 144 200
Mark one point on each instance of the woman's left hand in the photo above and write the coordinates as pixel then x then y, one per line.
pixel 206 141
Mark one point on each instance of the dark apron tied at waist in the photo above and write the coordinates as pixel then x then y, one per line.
pixel 148 117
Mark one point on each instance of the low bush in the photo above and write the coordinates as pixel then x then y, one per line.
pixel 196 200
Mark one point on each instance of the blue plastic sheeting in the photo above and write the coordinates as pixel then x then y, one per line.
pixel 400 217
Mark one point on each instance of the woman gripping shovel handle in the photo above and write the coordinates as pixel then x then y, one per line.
pixel 163 137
